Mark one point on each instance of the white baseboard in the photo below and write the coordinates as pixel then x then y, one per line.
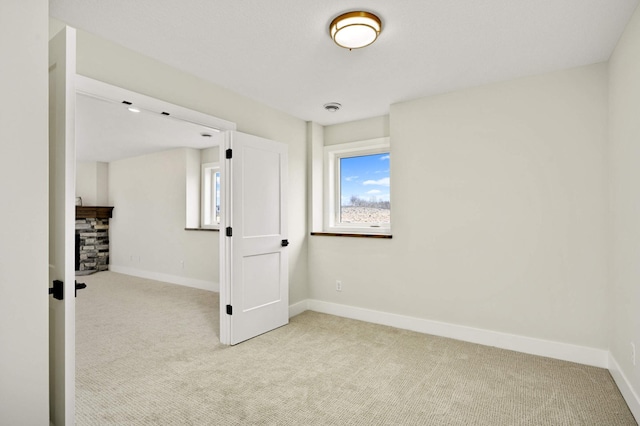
pixel 529 345
pixel 630 396
pixel 173 279
pixel 298 308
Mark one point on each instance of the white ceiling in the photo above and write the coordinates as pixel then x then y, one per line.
pixel 107 131
pixel 279 51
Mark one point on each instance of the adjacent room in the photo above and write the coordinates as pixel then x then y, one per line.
pixel 460 233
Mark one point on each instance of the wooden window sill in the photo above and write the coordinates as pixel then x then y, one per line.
pixel 346 234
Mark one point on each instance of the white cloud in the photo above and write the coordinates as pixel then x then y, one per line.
pixel 374 191
pixel 381 182
pixel 384 157
pixel 350 178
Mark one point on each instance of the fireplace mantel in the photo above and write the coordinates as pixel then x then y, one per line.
pixel 99 212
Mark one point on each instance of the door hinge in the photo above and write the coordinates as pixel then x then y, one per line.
pixel 229 310
pixel 229 232
pixel 228 153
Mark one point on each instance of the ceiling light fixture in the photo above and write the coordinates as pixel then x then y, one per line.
pixel 132 109
pixel 353 30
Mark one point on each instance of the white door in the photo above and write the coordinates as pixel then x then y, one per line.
pixel 254 273
pixel 62 67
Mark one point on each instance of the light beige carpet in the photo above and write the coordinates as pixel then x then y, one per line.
pixel 148 354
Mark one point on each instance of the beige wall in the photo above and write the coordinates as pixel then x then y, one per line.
pixel 92 182
pixel 195 159
pixel 624 166
pixel 370 128
pixel 24 329
pixel 498 210
pixel 192 186
pixel 211 155
pixel 147 234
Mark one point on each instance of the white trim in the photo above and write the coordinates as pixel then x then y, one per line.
pixel 225 243
pixel 630 396
pixel 331 196
pixel 101 90
pixel 173 279
pixel 298 308
pixel 562 351
pixel 206 202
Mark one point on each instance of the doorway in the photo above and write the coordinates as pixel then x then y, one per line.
pixel 152 152
pixel 62 140
pixel 152 157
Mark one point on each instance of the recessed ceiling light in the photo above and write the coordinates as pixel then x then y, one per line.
pixel 332 106
pixel 132 109
pixel 354 30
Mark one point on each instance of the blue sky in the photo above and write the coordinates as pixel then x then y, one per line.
pixel 366 177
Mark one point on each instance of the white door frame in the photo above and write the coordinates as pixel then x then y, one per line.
pixel 98 89
pixel 90 87
pixel 62 69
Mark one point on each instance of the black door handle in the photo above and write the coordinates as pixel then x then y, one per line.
pixel 285 243
pixel 79 286
pixel 57 290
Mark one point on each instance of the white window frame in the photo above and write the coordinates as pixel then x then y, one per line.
pixel 207 204
pixel 332 156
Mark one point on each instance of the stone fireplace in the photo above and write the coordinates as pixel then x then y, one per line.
pixel 92 239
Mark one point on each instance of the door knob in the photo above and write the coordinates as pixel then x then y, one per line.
pixel 285 243
pixel 57 290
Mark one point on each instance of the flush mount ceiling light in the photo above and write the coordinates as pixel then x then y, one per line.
pixel 353 30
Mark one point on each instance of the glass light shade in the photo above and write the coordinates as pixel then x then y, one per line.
pixel 354 30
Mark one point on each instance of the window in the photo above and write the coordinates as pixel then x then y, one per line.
pixel 210 217
pixel 357 187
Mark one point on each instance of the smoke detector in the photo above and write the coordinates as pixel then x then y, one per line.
pixel 332 106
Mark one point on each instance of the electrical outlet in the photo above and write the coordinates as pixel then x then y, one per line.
pixel 182 264
pixel 338 285
pixel 633 354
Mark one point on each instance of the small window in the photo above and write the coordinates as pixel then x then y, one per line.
pixel 210 217
pixel 357 189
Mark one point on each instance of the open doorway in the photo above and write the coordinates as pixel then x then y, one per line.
pixel 251 180
pixel 143 158
pixel 172 184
